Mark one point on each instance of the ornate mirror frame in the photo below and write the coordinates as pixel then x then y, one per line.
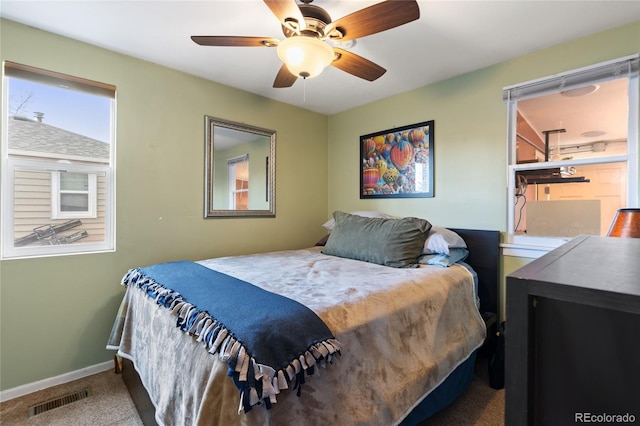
pixel 219 131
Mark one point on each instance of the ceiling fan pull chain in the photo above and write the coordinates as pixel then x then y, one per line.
pixel 304 90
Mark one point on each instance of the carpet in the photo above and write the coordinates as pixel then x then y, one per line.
pixel 109 404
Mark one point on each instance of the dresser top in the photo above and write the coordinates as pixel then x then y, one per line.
pixel 590 262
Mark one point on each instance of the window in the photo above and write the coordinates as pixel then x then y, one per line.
pixel 572 152
pixel 239 182
pixel 73 195
pixel 57 164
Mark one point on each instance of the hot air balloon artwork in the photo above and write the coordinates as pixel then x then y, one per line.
pixel 398 162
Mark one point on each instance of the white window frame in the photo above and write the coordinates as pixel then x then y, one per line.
pixel 57 192
pixel 233 191
pixel 27 161
pixel 531 246
pixel 10 251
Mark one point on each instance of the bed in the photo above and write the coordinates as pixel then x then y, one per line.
pixel 406 338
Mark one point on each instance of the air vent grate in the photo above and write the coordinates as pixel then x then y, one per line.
pixel 34 410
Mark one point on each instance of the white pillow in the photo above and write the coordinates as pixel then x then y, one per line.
pixel 440 240
pixel 328 225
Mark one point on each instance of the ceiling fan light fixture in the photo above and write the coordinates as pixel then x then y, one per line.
pixel 304 56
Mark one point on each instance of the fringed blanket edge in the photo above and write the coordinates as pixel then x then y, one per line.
pixel 258 383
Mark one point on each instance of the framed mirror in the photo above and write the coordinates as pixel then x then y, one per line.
pixel 240 170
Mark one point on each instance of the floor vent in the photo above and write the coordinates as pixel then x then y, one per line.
pixel 34 410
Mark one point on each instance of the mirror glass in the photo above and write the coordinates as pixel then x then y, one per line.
pixel 239 169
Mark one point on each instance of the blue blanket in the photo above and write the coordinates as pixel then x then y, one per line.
pixel 267 340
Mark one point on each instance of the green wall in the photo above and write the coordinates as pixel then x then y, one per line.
pixel 470 133
pixel 56 313
pixel 470 136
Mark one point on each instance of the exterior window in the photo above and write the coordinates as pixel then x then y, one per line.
pixel 74 195
pixel 57 164
pixel 573 152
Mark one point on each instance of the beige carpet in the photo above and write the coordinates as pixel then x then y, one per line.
pixel 109 405
pixel 479 405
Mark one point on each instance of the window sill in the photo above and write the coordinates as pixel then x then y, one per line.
pixel 529 251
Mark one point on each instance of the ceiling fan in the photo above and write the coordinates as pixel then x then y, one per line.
pixel 307 28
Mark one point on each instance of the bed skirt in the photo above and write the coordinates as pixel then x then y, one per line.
pixel 441 397
pixel 453 386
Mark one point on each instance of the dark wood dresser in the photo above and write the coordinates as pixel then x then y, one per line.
pixel 573 335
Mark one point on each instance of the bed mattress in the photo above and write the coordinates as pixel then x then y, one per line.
pixel 403 331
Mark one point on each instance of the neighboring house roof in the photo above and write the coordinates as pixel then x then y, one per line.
pixel 26 135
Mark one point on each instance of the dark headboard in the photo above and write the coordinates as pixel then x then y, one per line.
pixel 484 258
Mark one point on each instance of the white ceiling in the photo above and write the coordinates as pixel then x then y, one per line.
pixel 450 38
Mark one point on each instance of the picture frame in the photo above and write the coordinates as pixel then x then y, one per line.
pixel 398 162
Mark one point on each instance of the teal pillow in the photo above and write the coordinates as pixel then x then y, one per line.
pixel 390 242
pixel 444 260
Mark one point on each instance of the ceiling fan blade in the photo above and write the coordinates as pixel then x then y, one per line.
pixel 374 19
pixel 357 65
pixel 235 41
pixel 284 78
pixel 288 13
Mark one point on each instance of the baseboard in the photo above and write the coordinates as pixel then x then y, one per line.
pixel 22 390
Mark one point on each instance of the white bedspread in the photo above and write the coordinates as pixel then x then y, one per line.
pixel 403 331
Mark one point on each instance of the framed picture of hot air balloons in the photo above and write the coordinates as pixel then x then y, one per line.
pixel 398 162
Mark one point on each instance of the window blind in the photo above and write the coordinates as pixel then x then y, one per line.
pixel 606 71
pixel 52 78
pixel 241 159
